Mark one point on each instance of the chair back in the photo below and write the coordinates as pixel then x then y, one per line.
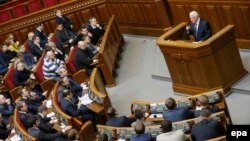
pixel 34 6
pixel 5 16
pixel 71 62
pixel 49 3
pixel 19 11
pixel 87 132
pixel 8 78
pixel 38 71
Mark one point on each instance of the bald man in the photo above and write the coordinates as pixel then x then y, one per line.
pixel 51 65
pixel 140 133
pixel 199 28
pixel 84 58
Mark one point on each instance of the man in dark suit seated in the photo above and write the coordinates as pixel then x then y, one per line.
pixel 36 49
pixel 61 19
pixel 84 58
pixel 174 113
pixel 121 121
pixel 96 30
pixel 39 32
pixel 21 75
pixel 23 113
pixel 6 109
pixel 203 103
pixel 76 110
pixel 45 124
pixel 4 132
pixel 42 136
pixel 207 128
pixel 64 38
pixel 199 28
pixel 140 133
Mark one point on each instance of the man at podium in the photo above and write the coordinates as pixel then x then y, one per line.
pixel 199 28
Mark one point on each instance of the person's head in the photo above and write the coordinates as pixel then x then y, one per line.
pixel 93 21
pixel 84 30
pixel 20 66
pixel 22 49
pixel 82 45
pixel 42 110
pixel 51 45
pixel 102 137
pixel 194 16
pixel 111 112
pixel 30 84
pixel 67 94
pixel 2 99
pixel 170 103
pixel 58 13
pixel 205 114
pixel 139 113
pixel 36 39
pixel 59 27
pixel 31 35
pixel 23 92
pixel 11 36
pixel 40 26
pixel 64 81
pixel 166 126
pixel 139 128
pixel 203 101
pixel 63 72
pixel 86 39
pixel 22 106
pixel 4 47
pixel 72 134
pixel 50 55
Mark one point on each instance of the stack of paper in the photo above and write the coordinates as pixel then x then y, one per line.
pixel 85 100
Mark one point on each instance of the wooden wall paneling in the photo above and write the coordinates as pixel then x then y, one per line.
pixel 212 17
pixel 126 13
pixel 137 11
pixel 150 14
pixel 179 13
pixel 86 14
pixel 103 13
pixel 24 34
pixel 115 10
pixel 243 14
pixel 47 29
pixel 51 25
pixel 18 36
pixel 80 19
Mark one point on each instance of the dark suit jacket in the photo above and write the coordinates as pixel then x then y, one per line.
pixel 42 36
pixel 97 33
pixel 71 109
pixel 122 121
pixel 44 123
pixel 141 137
pixel 6 111
pixel 24 119
pixel 206 129
pixel 177 114
pixel 83 59
pixel 3 131
pixel 60 94
pixel 36 51
pixel 20 77
pixel 213 109
pixel 204 30
pixel 41 136
pixel 63 37
pixel 64 21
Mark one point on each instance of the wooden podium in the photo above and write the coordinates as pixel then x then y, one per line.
pixel 203 66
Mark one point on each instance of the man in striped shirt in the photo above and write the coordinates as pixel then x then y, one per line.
pixel 51 65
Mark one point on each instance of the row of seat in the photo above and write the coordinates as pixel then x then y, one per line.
pixel 25 8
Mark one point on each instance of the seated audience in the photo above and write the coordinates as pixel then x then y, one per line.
pixel 58 53
pixel 64 38
pixel 64 84
pixel 140 134
pixel 4 131
pixel 76 110
pixel 203 103
pixel 116 121
pixel 96 30
pixel 27 57
pixel 207 128
pixel 13 46
pixel 174 113
pixel 84 59
pixel 33 100
pixel 39 32
pixel 23 113
pixel 30 39
pixel 93 48
pixel 61 19
pixel 42 136
pixel 6 109
pixel 6 57
pixel 45 124
pixel 21 74
pixel 140 117
pixel 51 65
pixel 168 134
pixel 82 32
pixel 36 49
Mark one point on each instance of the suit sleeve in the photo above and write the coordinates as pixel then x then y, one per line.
pixel 208 31
pixel 7 112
